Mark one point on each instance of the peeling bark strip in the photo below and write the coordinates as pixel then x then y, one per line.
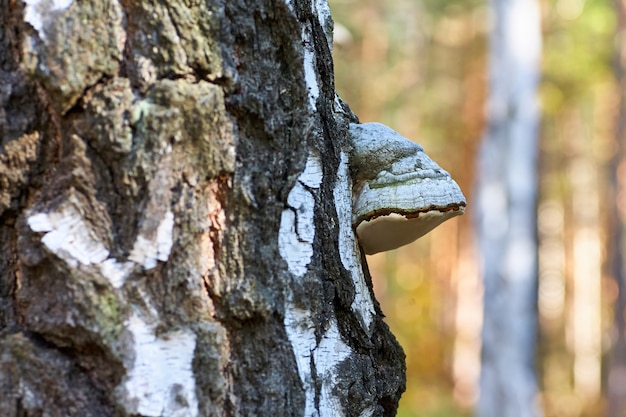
pixel 297 228
pixel 177 220
pixel 169 388
pixel 349 252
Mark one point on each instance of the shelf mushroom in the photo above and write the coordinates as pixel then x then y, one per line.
pixel 399 193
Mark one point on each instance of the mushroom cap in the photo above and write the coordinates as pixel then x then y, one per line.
pixel 408 195
pixel 390 217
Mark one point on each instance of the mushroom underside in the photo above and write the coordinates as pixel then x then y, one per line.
pixel 390 231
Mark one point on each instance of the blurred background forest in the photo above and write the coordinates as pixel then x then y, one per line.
pixel 421 67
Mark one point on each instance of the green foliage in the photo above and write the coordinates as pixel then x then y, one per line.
pixel 439 8
pixel 578 49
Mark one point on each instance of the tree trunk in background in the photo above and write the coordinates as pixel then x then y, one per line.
pixel 175 205
pixel 505 213
pixel 616 381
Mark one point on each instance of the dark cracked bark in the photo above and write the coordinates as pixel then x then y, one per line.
pixel 149 157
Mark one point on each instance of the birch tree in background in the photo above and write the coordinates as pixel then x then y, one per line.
pixel 505 213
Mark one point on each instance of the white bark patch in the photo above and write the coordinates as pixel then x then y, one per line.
pixel 297 227
pixel 330 352
pixel 115 271
pixel 324 358
pixel 301 335
pixel 310 73
pixel 348 248
pixel 164 239
pixel 68 236
pixel 295 240
pixel 312 174
pixel 38 12
pixel 147 252
pixel 161 380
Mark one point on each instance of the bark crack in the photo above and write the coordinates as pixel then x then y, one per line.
pixel 317 383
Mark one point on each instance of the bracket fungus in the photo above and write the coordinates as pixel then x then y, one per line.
pixel 399 193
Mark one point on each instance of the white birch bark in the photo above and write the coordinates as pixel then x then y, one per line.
pixel 505 213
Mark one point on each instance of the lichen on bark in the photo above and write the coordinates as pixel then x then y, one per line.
pixel 74 48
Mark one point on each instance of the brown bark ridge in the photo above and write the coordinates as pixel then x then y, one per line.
pixel 151 156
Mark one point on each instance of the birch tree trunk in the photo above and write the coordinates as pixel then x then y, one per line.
pixel 505 207
pixel 175 204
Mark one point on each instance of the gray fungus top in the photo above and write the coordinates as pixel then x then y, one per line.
pixel 399 193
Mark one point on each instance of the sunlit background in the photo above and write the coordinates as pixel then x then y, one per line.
pixel 420 67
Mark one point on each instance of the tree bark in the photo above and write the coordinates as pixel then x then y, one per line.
pixel 176 235
pixel 505 213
